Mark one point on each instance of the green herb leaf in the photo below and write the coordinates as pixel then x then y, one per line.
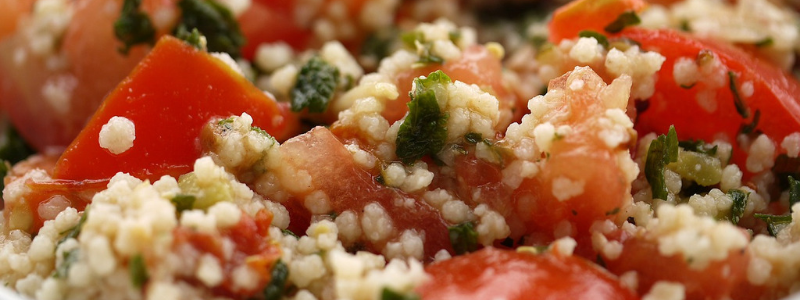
pixel 473 137
pixel 698 146
pixel 289 232
pixel 410 38
pixel 388 294
pixel 749 128
pixel 423 131
pixel 70 257
pixel 464 238
pixel 378 44
pixel 183 202
pixel 13 147
pixel 741 107
pixel 601 39
pixel 613 211
pixel 277 285
pixel 766 42
pixel 794 191
pixel 4 168
pixel 215 22
pixel 774 222
pixel 73 232
pixel 315 86
pixel 137 269
pixel 739 198
pixel 663 150
pixel 133 26
pixel 625 19
pixel 194 38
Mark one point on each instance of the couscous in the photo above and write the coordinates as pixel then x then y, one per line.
pixel 383 149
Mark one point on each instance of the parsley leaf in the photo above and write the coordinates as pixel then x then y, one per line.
pixel 215 22
pixel 774 222
pixel 741 108
pixel 423 131
pixel 749 128
pixel 13 147
pixel 183 202
pixel 289 232
pixel 663 150
pixel 739 198
pixel 625 19
pixel 766 42
pixel 70 257
pixel 601 39
pixel 277 285
pixel 76 230
pixel 4 168
pixel 137 269
pixel 315 86
pixel 133 26
pixel 794 191
pixel 194 38
pixel 698 146
pixel 473 137
pixel 410 40
pixel 464 238
pixel 389 294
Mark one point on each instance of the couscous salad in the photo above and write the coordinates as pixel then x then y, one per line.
pixel 385 149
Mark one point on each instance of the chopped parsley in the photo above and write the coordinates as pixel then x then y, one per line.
pixel 739 198
pixel 133 27
pixel 464 238
pixel 794 191
pixel 774 222
pixel 750 128
pixel 613 211
pixel 389 294
pixel 703 57
pixel 215 22
pixel 601 39
pixel 70 257
pixel 423 131
pixel 741 108
pixel 13 147
pixel 378 44
pixel 473 137
pixel 625 19
pixel 289 232
pixel 663 150
pixel 194 38
pixel 137 269
pixel 698 146
pixel 183 202
pixel 766 42
pixel 412 38
pixel 73 232
pixel 277 285
pixel 315 86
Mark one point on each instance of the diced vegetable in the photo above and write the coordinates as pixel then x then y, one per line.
pixel 464 238
pixel 215 22
pixel 663 151
pixel 133 27
pixel 277 284
pixel 739 198
pixel 137 269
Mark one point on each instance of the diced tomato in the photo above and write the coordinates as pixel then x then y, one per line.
pixel 169 97
pixel 719 280
pixel 475 66
pixel 269 22
pixel 593 15
pixel 13 11
pixel 252 247
pixel 502 274
pixel 775 94
pixel 350 187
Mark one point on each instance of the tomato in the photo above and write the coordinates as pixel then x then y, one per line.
pixel 349 187
pixel 475 66
pixel 13 11
pixel 719 280
pixel 169 97
pixel 251 246
pixel 269 22
pixel 93 66
pixel 775 94
pixel 502 274
pixel 580 164
pixel 593 15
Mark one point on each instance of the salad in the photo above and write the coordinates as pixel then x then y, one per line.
pixel 383 149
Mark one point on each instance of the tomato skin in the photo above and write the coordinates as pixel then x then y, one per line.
pixel 502 274
pixel 776 94
pixel 169 97
pixel 594 15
